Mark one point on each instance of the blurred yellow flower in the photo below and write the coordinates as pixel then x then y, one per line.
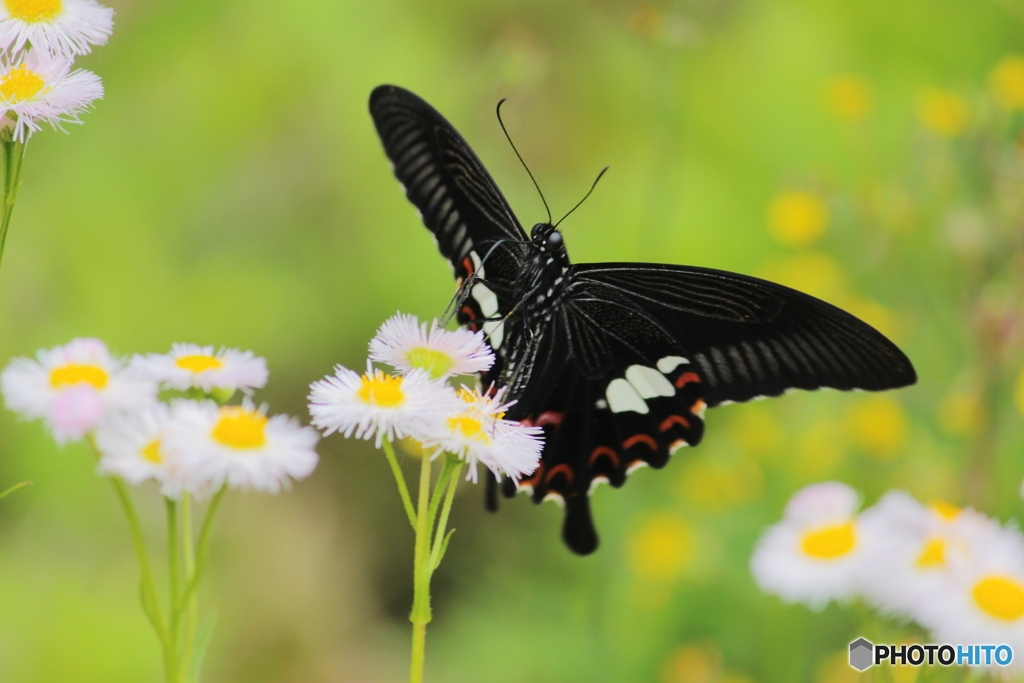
pixel 820 449
pixel 835 668
pixel 693 663
pixel 1019 394
pixel 661 548
pixel 848 97
pixel 719 483
pixel 757 431
pixel 961 413
pixel 1007 82
pixel 943 112
pixel 878 425
pixel 813 272
pixel 797 218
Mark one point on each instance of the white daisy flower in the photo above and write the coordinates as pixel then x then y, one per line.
pixel 476 433
pixel 815 554
pixel 909 547
pixel 406 344
pixel 239 445
pixel 191 365
pixel 133 447
pixel 73 387
pixel 378 405
pixel 982 600
pixel 61 27
pixel 40 87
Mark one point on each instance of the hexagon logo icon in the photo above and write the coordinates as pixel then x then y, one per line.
pixel 861 652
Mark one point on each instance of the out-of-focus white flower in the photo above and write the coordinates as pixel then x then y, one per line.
pixel 376 405
pixel 191 365
pixel 476 433
pixel 133 446
pixel 909 547
pixel 239 446
pixel 39 87
pixel 815 554
pixel 406 344
pixel 982 598
pixel 72 387
pixel 62 27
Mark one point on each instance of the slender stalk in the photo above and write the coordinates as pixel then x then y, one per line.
pixel 420 615
pixel 202 546
pixel 440 539
pixel 173 565
pixel 191 605
pixel 13 155
pixel 403 490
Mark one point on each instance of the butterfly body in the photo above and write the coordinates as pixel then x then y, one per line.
pixel 616 361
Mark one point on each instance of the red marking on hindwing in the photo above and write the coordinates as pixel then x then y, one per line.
pixel 468 265
pixel 556 470
pixel 604 450
pixel 686 378
pixel 640 438
pixel 471 314
pixel 549 417
pixel 673 420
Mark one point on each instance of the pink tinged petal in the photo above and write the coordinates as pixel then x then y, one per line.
pixel 75 412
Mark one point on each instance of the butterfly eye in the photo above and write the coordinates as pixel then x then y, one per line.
pixel 553 242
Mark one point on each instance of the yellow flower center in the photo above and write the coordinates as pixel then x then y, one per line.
pixel 20 84
pixel 151 452
pixel 240 427
pixel 73 373
pixel 32 11
pixel 933 554
pixel 470 426
pixel 382 390
pixel 944 510
pixel 198 363
pixel 436 363
pixel 830 542
pixel 1000 597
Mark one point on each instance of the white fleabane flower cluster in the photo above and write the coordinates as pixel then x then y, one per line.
pixel 187 445
pixel 954 571
pixel 39 40
pixel 416 400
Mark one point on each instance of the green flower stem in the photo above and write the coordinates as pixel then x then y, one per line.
pixel 14 488
pixel 439 489
pixel 403 490
pixel 192 604
pixel 147 588
pixel 173 564
pixel 420 615
pixel 202 545
pixel 13 155
pixel 440 538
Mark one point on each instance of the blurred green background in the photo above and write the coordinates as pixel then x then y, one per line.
pixel 230 190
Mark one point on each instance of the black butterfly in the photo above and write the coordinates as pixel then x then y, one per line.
pixel 617 361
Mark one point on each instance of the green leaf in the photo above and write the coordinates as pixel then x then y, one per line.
pixel 444 547
pixel 202 641
pixel 14 488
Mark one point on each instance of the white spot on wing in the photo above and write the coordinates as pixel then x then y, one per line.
pixel 595 482
pixel 670 363
pixel 648 382
pixel 635 466
pixel 495 332
pixel 676 445
pixel 486 298
pixel 622 397
pixel 557 497
pixel 601 404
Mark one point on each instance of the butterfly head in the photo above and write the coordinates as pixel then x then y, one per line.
pixel 547 238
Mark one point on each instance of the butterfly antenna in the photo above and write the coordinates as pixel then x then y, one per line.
pixel 584 196
pixel 509 138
